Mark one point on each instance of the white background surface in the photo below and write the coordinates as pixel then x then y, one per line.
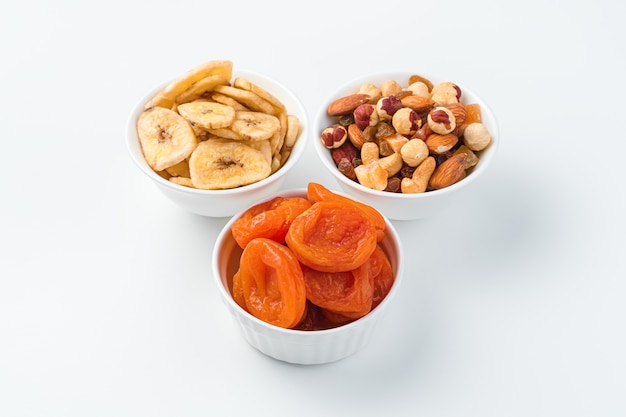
pixel 513 303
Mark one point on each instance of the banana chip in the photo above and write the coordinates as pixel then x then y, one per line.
pixel 222 164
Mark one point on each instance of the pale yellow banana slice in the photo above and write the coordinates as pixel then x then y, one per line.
pixel 261 145
pixel 167 96
pixel 278 139
pixel 186 181
pixel 180 169
pixel 223 164
pixel 229 101
pixel 245 84
pixel 293 131
pixel 166 138
pixel 226 133
pixel 201 88
pixel 247 98
pixel 255 125
pixel 207 115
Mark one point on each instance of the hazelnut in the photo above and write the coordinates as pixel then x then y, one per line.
pixel 365 115
pixel 441 120
pixel 419 88
pixel 390 88
pixel 415 78
pixel 476 136
pixel 387 106
pixel 414 152
pixel 371 90
pixel 406 121
pixel 445 93
pixel 334 136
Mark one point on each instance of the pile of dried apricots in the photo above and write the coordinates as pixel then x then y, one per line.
pixel 311 263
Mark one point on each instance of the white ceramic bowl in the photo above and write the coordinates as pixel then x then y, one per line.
pixel 222 203
pixel 397 206
pixel 298 346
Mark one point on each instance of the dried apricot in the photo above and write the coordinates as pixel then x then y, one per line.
pixel 348 293
pixel 269 219
pixel 272 283
pixel 332 236
pixel 382 275
pixel 317 192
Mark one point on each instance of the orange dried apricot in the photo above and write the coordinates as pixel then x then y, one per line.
pixel 332 236
pixel 317 192
pixel 270 219
pixel 382 275
pixel 272 283
pixel 347 293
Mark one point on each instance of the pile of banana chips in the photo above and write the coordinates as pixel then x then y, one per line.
pixel 208 131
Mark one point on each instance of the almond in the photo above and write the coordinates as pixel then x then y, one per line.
pixel 355 134
pixel 459 111
pixel 346 105
pixel 417 103
pixel 449 172
pixel 439 144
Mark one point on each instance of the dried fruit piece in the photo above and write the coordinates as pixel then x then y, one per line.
pixel 474 113
pixel 253 125
pixel 166 138
pixel 317 192
pixel 348 292
pixel 382 275
pixel 222 163
pixel 372 175
pixel 332 236
pixel 207 114
pixel 472 158
pixel 270 219
pixel 272 283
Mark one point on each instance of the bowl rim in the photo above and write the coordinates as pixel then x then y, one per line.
pixel 343 88
pixel 228 298
pixel 131 139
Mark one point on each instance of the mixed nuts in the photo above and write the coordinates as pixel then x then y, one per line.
pixel 412 139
